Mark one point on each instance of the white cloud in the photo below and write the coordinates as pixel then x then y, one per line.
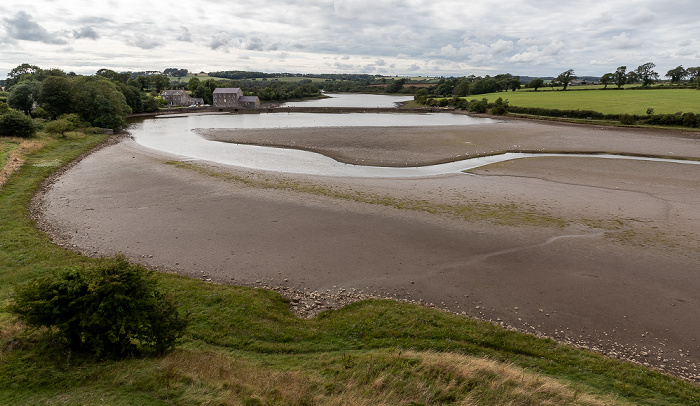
pixel 623 41
pixel 501 46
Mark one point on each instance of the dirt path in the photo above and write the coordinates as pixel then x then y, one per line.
pixel 597 253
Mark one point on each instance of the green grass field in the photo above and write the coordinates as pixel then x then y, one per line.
pixel 663 101
pixel 244 347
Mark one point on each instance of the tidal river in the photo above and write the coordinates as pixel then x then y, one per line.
pixel 175 135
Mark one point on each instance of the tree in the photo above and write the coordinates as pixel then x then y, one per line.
pixel 632 77
pixel 160 82
pixel 55 95
pixel 461 88
pixel 566 77
pixel 113 309
pixel 514 83
pixel 175 72
pixel 606 79
pixel 144 82
pixel 421 95
pixel 677 74
pixel 536 83
pixel 114 76
pixel 694 73
pixel 396 86
pixel 15 124
pixel 98 101
pixel 132 96
pixel 193 83
pixel 620 76
pixel 646 74
pixel 20 73
pixel 23 96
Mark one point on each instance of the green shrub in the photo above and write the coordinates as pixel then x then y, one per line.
pixel 16 124
pixel 478 106
pixel 690 120
pixel 626 119
pixel 113 309
pixel 75 120
pixel 59 126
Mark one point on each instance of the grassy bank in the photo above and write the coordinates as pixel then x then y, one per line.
pixel 245 347
pixel 610 101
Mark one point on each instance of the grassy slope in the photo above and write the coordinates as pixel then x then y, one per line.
pixel 663 101
pixel 244 345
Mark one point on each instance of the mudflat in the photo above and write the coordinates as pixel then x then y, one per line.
pixel 595 252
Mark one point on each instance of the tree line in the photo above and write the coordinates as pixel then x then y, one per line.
pixel 101 100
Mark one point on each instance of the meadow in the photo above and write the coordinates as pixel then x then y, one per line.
pixel 609 101
pixel 245 347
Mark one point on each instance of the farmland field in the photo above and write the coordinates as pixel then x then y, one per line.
pixel 663 101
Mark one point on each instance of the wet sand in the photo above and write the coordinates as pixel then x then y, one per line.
pixel 598 253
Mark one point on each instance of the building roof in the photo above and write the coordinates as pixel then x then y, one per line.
pixel 243 99
pixel 227 90
pixel 173 92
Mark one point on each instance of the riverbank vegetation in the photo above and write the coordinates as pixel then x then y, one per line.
pixel 244 346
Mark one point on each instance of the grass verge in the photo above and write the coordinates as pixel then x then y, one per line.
pixel 244 347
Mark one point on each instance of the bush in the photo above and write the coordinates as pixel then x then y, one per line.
pixel 16 124
pixel 59 126
pixel 113 309
pixel 690 120
pixel 478 106
pixel 626 119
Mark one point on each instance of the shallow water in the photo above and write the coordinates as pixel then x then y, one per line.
pixel 174 135
pixel 351 100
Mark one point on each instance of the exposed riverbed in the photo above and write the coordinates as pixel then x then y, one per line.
pixel 601 253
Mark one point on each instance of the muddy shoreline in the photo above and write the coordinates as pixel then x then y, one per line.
pixel 568 248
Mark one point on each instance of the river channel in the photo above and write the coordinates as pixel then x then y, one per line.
pixel 176 135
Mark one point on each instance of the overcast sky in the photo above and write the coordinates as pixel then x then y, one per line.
pixel 389 37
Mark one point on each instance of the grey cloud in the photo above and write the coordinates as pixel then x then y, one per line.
pixel 143 42
pixel 220 41
pixel 642 16
pixel 86 32
pixel 252 44
pixel 344 66
pixel 22 27
pixel 184 35
pixel 413 68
